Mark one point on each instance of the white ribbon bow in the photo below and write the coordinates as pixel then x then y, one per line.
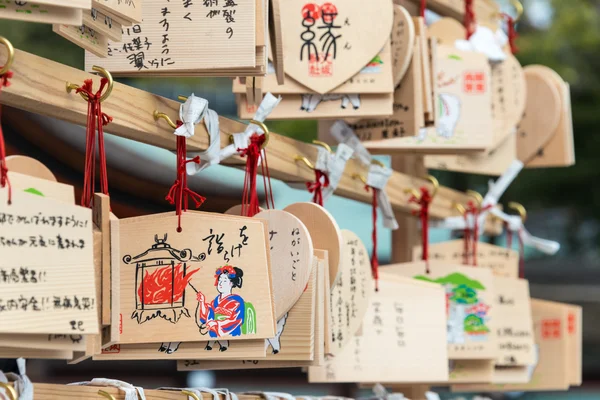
pixel 131 392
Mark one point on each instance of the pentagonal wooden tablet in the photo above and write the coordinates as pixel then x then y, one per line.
pixel 542 115
pixel 447 31
pixel 291 258
pixel 402 40
pixel 324 232
pixel 237 210
pixel 350 295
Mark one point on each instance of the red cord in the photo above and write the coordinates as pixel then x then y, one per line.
pixel 469 19
pixel 422 8
pixel 96 120
pixel 4 181
pixel 474 234
pixel 254 152
pixel 466 240
pixel 512 32
pixel 179 192
pixel 423 214
pixel 374 256
pixel 316 187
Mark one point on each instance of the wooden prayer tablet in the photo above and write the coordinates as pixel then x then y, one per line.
pixel 294 344
pixel 29 166
pixel 351 293
pixel 402 39
pixel 447 31
pixel 47 265
pixel 103 24
pixel 559 151
pixel 187 36
pixel 542 115
pixel 41 187
pixel 73 342
pixel 324 233
pixel 326 43
pixel 501 261
pixel 129 10
pixel 404 339
pixel 237 210
pixel 83 37
pixel 470 292
pixel 291 258
pixel 211 281
pixel 83 4
pixel 551 369
pixel 50 14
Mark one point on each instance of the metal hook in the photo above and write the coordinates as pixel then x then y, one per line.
pixel 459 207
pixel 71 86
pixel 263 127
pixel 435 183
pixel 518 8
pixel 478 198
pixel 518 207
pixel 158 115
pixel 11 55
pixel 12 393
pixel 361 177
pixel 323 144
pixel 305 160
pixel 190 394
pixel 107 395
pixel 414 192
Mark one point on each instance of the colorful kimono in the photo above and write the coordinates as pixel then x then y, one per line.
pixel 228 312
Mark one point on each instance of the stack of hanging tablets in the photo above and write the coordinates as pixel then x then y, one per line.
pixel 46 11
pixel 210 38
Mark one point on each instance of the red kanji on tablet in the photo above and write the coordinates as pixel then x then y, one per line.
pixel 551 329
pixel 474 82
pixel 571 326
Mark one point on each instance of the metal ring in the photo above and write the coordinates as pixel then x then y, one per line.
pixel 305 160
pixel 476 196
pixel 11 55
pixel 12 393
pixel 190 394
pixel 519 8
pixel 107 92
pixel 435 183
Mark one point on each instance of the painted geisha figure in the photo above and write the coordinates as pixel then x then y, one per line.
pixel 228 314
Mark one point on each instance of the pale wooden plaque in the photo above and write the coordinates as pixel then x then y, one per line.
pixel 198 36
pixel 83 37
pixel 29 12
pixel 47 266
pixel 326 43
pixel 404 339
pixel 470 296
pixel 210 281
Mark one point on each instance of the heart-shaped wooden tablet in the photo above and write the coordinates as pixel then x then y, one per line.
pixel 291 258
pixel 237 210
pixel 402 40
pixel 326 42
pixel 324 232
pixel 350 295
pixel 542 115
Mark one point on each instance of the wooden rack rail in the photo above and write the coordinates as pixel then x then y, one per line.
pixel 486 11
pixel 39 86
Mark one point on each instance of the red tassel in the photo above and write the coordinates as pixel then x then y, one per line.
pixel 374 256
pixel 422 8
pixel 254 152
pixel 179 193
pixel 512 33
pixel 4 181
pixel 424 201
pixel 316 187
pixel 96 120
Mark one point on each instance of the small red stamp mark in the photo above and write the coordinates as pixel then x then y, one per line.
pixel 572 326
pixel 474 82
pixel 321 67
pixel 551 329
pixel 114 349
pixel 251 108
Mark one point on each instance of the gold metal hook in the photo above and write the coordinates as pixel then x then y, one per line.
pixel 190 394
pixel 435 183
pixel 263 127
pixel 71 86
pixel 158 115
pixel 518 8
pixel 305 160
pixel 377 162
pixel 12 393
pixel 461 209
pixel 414 192
pixel 478 198
pixel 107 395
pixel 518 207
pixel 361 177
pixel 323 144
pixel 11 55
